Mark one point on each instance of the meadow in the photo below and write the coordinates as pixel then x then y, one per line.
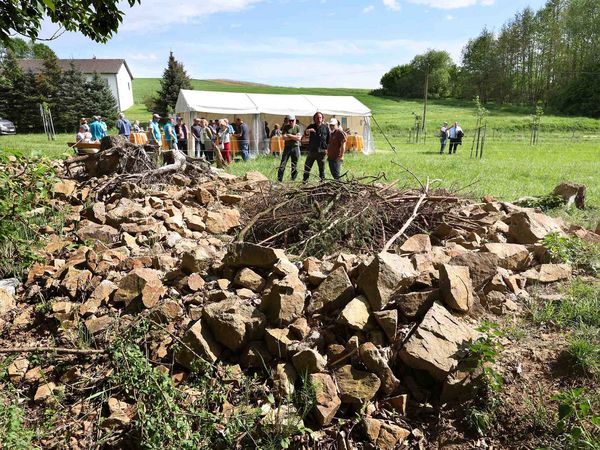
pixel 569 147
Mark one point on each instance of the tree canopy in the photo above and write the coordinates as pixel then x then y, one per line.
pixel 95 19
pixel 173 80
pixel 550 56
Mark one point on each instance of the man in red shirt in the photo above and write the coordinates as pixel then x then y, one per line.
pixel 336 148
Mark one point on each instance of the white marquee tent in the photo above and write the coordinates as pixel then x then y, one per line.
pixel 256 109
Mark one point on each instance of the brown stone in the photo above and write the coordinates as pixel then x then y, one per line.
pixel 278 341
pixel 221 222
pixel 195 282
pixel 244 254
pixel 376 363
pixel 142 286
pixel 327 401
pixel 249 279
pixel 528 227
pixel 333 293
pixel 44 393
pixel 438 343
pixel 482 266
pixel 90 231
pixel 511 256
pixel 64 188
pixel 284 302
pixel 309 361
pixel 383 435
pixel 418 243
pixel 75 281
pixel 388 321
pixel 456 287
pixel 95 325
pixel 199 343
pixel 234 322
pixel 415 304
pixel 356 386
pixel 356 314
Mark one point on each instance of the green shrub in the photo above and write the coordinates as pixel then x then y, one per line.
pixel 572 250
pixel 584 348
pixel 577 422
pixel 24 207
pixel 13 433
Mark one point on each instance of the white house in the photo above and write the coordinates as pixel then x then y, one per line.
pixel 114 71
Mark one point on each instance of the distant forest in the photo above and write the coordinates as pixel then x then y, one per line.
pixel 549 57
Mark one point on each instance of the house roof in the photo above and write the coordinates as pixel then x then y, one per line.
pixel 85 65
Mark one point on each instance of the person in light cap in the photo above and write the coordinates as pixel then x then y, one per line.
pixel 336 148
pixel 291 150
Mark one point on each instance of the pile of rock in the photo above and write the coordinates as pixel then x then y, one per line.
pixel 390 326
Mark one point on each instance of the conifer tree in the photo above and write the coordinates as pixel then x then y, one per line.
pixel 99 100
pixel 72 95
pixel 173 80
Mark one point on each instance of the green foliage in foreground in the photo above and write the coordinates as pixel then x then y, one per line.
pixel 13 433
pixel 573 250
pixel 208 412
pixel 481 412
pixel 577 422
pixel 24 207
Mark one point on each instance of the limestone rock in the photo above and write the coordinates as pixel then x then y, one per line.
pixel 309 361
pixel 388 321
pixel 201 344
pixel 482 266
pixel 356 314
pixel 198 259
pixel 75 281
pixel 234 322
pixel 284 302
pixel 415 304
pixel 383 435
pixel 356 386
pixel 333 293
pixel 456 287
pixel 376 363
pixel 278 341
pixel 142 286
pixel 7 302
pixel 327 401
pixel 383 276
pixel 95 325
pixel 249 279
pixel 549 273
pixel 195 223
pixel 528 227
pixel 90 231
pixel 437 345
pixel 511 256
pixel 242 254
pixel 418 243
pixel 284 379
pixel 221 222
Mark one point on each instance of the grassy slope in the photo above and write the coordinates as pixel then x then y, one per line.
pixel 394 116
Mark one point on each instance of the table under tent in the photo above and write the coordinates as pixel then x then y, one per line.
pixel 256 109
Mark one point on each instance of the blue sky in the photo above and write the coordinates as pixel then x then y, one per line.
pixel 325 43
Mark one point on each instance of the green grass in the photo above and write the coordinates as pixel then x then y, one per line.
pixel 509 170
pixel 394 115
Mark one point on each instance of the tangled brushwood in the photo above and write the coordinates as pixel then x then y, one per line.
pixel 121 164
pixel 353 216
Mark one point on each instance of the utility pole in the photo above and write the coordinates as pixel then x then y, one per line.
pixel 426 94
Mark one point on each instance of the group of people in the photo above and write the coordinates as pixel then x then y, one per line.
pixel 324 141
pixel 454 134
pixel 97 129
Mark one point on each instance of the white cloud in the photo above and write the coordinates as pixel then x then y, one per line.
pixel 452 4
pixel 449 17
pixel 152 13
pixel 368 9
pixel 392 4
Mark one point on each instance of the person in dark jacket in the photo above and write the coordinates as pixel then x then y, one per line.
pixel 456 134
pixel 318 139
